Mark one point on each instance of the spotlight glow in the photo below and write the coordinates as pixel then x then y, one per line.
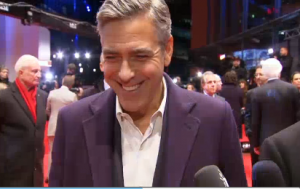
pixel 60 55
pixel 175 80
pixel 270 51
pixel 79 64
pixel 77 55
pixel 81 70
pixel 94 70
pixel 54 56
pixel 49 76
pixel 87 55
pixel 199 74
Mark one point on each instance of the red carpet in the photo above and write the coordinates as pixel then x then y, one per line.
pixel 246 156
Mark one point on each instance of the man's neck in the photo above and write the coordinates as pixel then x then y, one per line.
pixel 142 119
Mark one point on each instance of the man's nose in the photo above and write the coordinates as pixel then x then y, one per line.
pixel 126 72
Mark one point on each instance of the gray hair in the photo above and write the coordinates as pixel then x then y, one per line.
pixel 157 10
pixel 218 77
pixel 203 78
pixel 271 68
pixel 24 61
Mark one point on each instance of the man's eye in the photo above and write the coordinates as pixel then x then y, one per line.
pixel 142 56
pixel 110 57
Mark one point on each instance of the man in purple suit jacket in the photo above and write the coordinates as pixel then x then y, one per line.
pixel 145 131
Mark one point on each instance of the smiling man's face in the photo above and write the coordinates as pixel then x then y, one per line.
pixel 134 61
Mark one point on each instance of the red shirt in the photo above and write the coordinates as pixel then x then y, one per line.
pixel 29 96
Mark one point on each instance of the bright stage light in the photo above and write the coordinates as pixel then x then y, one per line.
pixel 80 64
pixel 175 80
pixel 199 74
pixel 270 51
pixel 54 56
pixel 94 70
pixel 49 76
pixel 81 70
pixel 77 55
pixel 87 55
pixel 60 55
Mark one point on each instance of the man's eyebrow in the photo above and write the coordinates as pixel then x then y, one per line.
pixel 109 51
pixel 142 50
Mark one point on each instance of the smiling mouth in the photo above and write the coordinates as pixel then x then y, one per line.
pixel 131 88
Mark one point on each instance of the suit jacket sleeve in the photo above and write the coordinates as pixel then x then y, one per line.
pixel 256 119
pixel 231 156
pixel 57 169
pixel 269 151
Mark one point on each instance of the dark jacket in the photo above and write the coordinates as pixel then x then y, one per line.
pixel 241 72
pixel 283 149
pixel 21 140
pixel 234 96
pixel 275 106
pixel 197 131
pixel 287 63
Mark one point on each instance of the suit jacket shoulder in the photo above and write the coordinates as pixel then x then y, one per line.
pixel 282 148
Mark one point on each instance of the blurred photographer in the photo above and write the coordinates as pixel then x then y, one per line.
pixel 71 70
pixel 4 76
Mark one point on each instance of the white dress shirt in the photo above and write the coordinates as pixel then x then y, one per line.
pixel 139 152
pixel 106 86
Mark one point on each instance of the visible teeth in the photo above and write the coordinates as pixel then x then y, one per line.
pixel 132 88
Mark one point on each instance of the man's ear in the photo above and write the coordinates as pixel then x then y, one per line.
pixel 169 51
pixel 101 67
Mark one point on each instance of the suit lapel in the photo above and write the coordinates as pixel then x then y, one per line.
pixel 19 98
pixel 99 132
pixel 179 133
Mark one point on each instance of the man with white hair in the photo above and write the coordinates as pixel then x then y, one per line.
pixel 275 105
pixel 209 85
pixel 144 130
pixel 22 124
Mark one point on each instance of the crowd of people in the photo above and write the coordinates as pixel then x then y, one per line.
pixel 135 127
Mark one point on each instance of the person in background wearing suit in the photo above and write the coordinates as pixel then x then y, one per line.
pixel 145 130
pixel 260 80
pixel 233 94
pixel 22 124
pixel 209 85
pixel 275 105
pixel 58 99
pixel 219 83
pixel 283 149
pixel 286 61
pixel 296 80
pixel 100 85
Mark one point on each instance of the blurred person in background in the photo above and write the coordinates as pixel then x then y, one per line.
pixel 275 105
pixel 233 94
pixel 296 80
pixel 3 86
pixel 239 69
pixel 287 62
pixel 58 99
pixel 4 75
pixel 260 79
pixel 190 87
pixel 209 85
pixel 244 87
pixel 22 125
pixel 219 83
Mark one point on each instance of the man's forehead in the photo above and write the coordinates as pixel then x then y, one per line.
pixel 133 49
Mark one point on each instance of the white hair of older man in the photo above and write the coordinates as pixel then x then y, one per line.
pixel 218 77
pixel 25 61
pixel 271 68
